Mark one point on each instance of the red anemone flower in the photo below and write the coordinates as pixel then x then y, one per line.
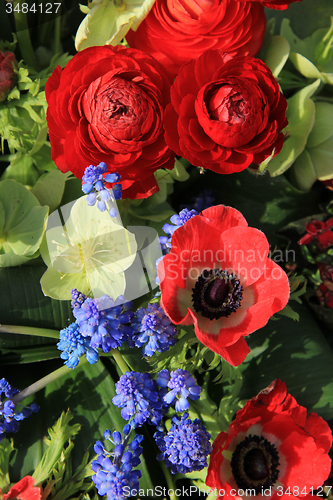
pixel 23 490
pixel 218 277
pixel 272 448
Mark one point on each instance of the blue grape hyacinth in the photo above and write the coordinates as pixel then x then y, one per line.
pixel 153 330
pixel 73 345
pixel 10 414
pixel 105 322
pixel 185 447
pixel 114 471
pixel 177 220
pixel 137 395
pixel 94 184
pixel 182 386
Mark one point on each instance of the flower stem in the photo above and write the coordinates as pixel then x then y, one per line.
pixel 23 37
pixel 169 481
pixel 28 330
pixel 43 382
pixel 120 361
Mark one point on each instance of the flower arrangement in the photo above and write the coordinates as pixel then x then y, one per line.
pixel 166 244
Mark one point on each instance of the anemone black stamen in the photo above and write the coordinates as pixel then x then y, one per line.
pixel 254 464
pixel 217 293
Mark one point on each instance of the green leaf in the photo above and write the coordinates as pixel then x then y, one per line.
pixel 316 161
pixel 49 189
pixel 87 391
pixel 6 449
pixel 21 169
pixel 276 54
pixel 301 117
pixel 25 238
pixel 23 303
pixel 59 435
pixel 267 203
pixel 286 350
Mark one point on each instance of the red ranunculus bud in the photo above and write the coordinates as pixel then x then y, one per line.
pixel 7 74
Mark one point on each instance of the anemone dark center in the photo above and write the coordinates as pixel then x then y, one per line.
pixel 254 464
pixel 217 293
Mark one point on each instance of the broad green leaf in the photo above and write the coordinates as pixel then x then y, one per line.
pixel 276 54
pixel 266 203
pixel 312 56
pixel 21 169
pixel 49 189
pixel 26 354
pixel 284 349
pixel 12 260
pixel 17 202
pixel 302 173
pixel 322 130
pixel 301 117
pixel 25 238
pixel 316 161
pixel 23 303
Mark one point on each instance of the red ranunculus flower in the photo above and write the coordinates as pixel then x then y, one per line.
pixel 8 76
pixel 107 105
pixel 225 113
pixel 272 446
pixel 320 232
pixel 218 277
pixel 23 490
pixel 274 4
pixel 176 31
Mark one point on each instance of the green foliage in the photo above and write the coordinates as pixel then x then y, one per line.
pixel 301 117
pixel 312 57
pixel 22 224
pixel 59 434
pixel 297 289
pixel 316 161
pixel 6 450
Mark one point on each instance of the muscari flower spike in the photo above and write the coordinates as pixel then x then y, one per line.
pixel 153 330
pixel 94 185
pixel 77 298
pixel 10 415
pixel 74 345
pixel 182 386
pixel 104 321
pixel 178 220
pixel 114 475
pixel 137 395
pixel 185 447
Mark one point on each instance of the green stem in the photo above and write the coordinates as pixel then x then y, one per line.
pixel 169 481
pixel 28 330
pixel 23 38
pixel 120 360
pixel 43 382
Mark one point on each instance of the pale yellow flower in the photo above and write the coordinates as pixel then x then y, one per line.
pixel 107 22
